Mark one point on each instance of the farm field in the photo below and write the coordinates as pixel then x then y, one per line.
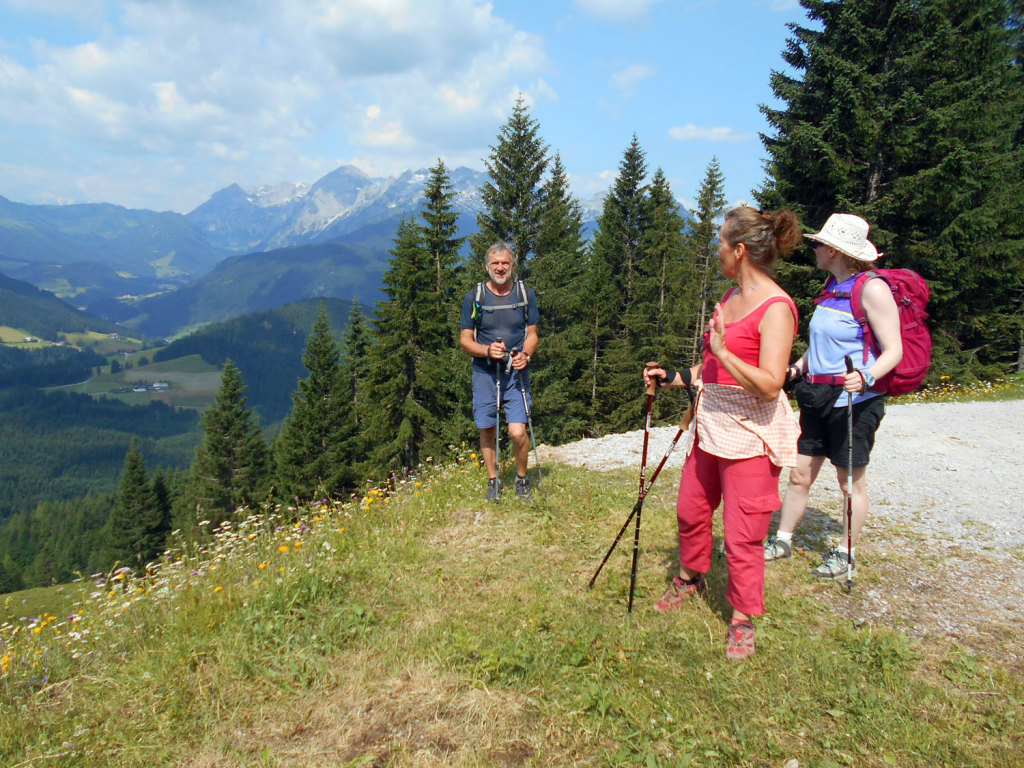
pixel 193 383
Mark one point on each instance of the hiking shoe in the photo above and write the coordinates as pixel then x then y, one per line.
pixel 678 591
pixel 493 490
pixel 523 490
pixel 776 549
pixel 740 639
pixel 833 565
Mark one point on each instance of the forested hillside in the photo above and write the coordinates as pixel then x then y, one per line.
pixel 266 347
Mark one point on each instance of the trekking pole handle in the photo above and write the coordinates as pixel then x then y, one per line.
pixel 652 388
pixel 849 364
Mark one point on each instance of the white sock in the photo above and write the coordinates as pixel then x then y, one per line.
pixel 842 548
pixel 784 536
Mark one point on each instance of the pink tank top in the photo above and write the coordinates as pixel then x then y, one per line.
pixel 743 339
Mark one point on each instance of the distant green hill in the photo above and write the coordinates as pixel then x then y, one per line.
pixel 259 281
pixel 22 305
pixel 266 346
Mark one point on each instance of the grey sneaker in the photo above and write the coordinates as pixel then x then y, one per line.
pixel 493 490
pixel 834 566
pixel 776 549
pixel 523 490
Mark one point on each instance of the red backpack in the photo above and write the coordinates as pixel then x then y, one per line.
pixel 911 293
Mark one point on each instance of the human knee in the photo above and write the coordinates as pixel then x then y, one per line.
pixel 517 432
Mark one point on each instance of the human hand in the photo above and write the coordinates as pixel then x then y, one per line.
pixel 716 331
pixel 496 349
pixel 520 360
pixel 853 382
pixel 653 374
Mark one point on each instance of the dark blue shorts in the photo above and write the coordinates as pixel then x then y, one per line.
pixel 485 392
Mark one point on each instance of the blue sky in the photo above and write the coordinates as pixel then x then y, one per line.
pixel 159 103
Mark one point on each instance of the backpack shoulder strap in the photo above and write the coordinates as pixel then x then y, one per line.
pixel 830 292
pixel 857 307
pixel 524 299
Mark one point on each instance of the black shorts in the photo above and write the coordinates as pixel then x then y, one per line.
pixel 823 427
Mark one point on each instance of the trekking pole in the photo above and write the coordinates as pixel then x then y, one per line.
pixel 652 390
pixel 497 423
pixel 849 483
pixel 643 495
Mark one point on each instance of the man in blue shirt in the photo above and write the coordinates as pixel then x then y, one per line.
pixel 499 330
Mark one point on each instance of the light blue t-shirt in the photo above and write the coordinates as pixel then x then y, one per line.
pixel 834 334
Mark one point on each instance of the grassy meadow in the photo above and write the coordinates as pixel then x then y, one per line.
pixel 193 382
pixel 419 626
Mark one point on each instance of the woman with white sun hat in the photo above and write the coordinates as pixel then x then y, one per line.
pixel 842 248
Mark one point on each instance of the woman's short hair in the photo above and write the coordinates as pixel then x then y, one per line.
pixel 767 235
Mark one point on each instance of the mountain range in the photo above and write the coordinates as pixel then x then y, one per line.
pixel 163 273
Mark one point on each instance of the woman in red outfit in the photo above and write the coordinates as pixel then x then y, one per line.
pixel 745 429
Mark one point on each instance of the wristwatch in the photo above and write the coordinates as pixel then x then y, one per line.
pixel 869 378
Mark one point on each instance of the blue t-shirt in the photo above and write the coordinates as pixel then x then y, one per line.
pixel 508 324
pixel 834 333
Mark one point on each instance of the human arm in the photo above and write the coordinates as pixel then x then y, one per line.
pixel 764 380
pixel 677 378
pixel 495 350
pixel 884 318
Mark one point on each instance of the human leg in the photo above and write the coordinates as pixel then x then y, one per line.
pixel 521 449
pixel 699 495
pixel 700 492
pixel 750 489
pixel 487 451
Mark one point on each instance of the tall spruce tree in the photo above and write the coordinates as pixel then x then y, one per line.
pixel 231 467
pixel 137 529
pixel 664 282
pixel 513 197
pixel 700 280
pixel 409 420
pixel 887 117
pixel 355 364
pixel 558 373
pixel 443 361
pixel 311 452
pixel 617 256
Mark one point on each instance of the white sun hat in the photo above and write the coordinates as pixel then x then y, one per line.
pixel 847 234
pixel 868 252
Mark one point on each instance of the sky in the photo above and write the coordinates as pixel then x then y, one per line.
pixel 158 104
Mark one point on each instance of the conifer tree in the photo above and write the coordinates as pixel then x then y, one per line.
pixel 137 529
pixel 231 466
pixel 700 280
pixel 558 372
pixel 888 118
pixel 513 198
pixel 408 421
pixel 617 256
pixel 443 361
pixel 664 282
pixel 310 452
pixel 355 363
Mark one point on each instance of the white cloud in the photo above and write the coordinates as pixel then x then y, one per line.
pixel 287 84
pixel 627 79
pixel 720 133
pixel 616 10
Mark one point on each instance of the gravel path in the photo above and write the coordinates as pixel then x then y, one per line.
pixel 943 549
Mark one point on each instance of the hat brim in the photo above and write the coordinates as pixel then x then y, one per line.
pixel 818 237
